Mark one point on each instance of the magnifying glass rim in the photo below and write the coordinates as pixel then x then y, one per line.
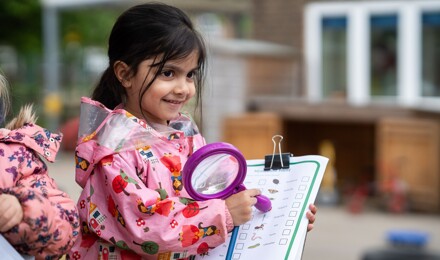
pixel 207 151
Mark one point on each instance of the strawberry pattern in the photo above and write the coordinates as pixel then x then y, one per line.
pixel 134 204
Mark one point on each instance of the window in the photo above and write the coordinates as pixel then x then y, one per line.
pixel 431 54
pixel 383 58
pixel 334 57
pixel 374 52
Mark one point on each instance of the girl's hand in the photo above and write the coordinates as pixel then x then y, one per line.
pixel 311 216
pixel 11 212
pixel 240 205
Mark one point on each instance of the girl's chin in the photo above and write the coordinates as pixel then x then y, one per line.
pixel 169 117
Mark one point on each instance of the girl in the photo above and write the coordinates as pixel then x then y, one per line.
pixel 35 216
pixel 133 143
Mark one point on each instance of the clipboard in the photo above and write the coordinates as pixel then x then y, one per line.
pixel 292 183
pixel 9 252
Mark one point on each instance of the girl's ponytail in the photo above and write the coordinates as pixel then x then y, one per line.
pixel 109 90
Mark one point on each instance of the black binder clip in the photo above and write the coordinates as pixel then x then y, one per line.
pixel 277 161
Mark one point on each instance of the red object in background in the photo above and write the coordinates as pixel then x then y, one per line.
pixel 70 134
pixel 358 198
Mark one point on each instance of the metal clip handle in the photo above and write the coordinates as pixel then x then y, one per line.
pixel 279 149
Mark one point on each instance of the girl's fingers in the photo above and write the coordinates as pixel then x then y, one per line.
pixel 7 226
pixel 253 192
pixel 7 221
pixel 311 217
pixel 309 227
pixel 313 208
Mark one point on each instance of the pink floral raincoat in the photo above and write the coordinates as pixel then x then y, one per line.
pixel 50 219
pixel 134 205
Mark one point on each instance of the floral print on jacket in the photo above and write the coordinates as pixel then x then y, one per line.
pixel 50 219
pixel 133 204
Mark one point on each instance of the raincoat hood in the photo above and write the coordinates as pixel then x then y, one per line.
pixel 41 140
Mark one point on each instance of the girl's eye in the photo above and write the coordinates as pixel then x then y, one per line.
pixel 191 75
pixel 168 73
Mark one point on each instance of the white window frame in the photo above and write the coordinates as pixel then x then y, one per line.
pixel 358 15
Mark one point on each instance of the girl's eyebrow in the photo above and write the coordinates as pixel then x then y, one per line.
pixel 178 68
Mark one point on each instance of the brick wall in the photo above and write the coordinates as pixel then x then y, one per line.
pixel 272 76
pixel 281 22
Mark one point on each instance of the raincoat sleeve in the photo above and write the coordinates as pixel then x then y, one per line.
pixel 50 220
pixel 124 211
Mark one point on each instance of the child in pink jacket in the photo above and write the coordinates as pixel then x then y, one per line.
pixel 35 216
pixel 134 141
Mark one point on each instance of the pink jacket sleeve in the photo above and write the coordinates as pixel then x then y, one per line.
pixel 144 221
pixel 50 222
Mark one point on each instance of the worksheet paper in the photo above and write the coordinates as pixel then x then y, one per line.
pixel 281 232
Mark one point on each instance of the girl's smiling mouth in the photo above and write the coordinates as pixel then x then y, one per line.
pixel 177 102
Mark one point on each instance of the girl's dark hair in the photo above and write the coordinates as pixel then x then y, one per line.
pixel 148 31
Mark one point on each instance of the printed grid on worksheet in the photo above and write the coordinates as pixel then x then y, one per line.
pixel 272 234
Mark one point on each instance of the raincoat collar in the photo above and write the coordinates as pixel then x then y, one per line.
pixel 103 132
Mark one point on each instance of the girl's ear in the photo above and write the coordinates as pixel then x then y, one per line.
pixel 122 72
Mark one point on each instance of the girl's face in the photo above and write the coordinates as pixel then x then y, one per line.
pixel 171 90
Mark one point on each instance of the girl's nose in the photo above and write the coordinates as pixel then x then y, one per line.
pixel 182 87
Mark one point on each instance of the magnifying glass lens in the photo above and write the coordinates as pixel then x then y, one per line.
pixel 214 174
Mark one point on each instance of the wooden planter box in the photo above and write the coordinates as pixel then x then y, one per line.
pixel 252 133
pixel 408 150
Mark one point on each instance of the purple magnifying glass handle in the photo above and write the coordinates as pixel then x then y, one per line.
pixel 263 203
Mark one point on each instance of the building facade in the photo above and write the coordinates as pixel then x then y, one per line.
pixel 367 81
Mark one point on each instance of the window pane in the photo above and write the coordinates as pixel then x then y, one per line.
pixel 431 54
pixel 334 54
pixel 383 47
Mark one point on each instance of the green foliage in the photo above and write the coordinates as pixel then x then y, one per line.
pixel 21 24
pixel 88 27
pixel 21 27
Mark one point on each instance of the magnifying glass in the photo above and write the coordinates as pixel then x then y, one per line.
pixel 217 171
